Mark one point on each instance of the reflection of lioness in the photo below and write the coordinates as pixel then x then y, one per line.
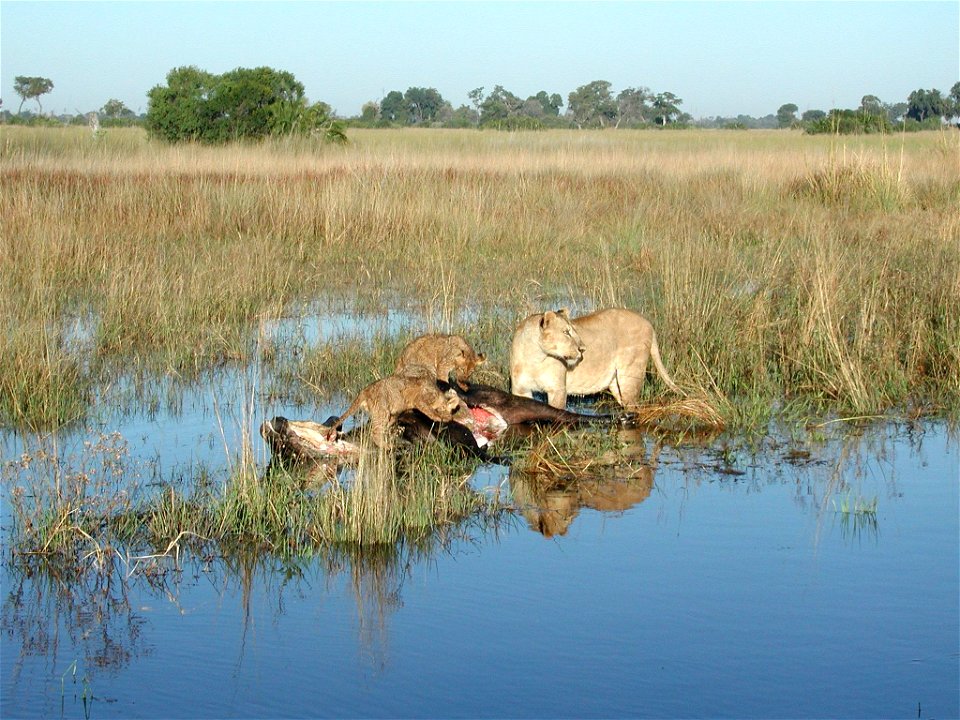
pixel 415 388
pixel 444 354
pixel 606 350
pixel 550 508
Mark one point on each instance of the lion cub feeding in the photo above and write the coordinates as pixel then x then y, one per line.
pixel 606 350
pixel 444 354
pixel 413 388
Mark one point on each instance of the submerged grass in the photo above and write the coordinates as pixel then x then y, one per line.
pixel 95 510
pixel 778 269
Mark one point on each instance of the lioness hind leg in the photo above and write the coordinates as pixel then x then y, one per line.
pixel 626 386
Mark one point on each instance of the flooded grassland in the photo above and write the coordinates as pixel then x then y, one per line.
pixel 159 303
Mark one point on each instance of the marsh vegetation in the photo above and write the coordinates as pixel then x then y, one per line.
pixel 781 271
pixel 791 279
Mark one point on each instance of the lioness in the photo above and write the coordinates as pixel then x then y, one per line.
pixel 414 388
pixel 606 350
pixel 444 354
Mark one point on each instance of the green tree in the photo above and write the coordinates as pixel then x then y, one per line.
pixel 31 88
pixel 810 116
pixel 115 109
pixel 896 112
pixel 369 113
pixel 499 105
pixel 463 117
pixel 242 103
pixel 632 107
pixel 476 99
pixel 846 122
pixel 246 102
pixel 323 123
pixel 178 110
pixel 297 117
pixel 665 108
pixel 926 104
pixel 549 104
pixel 394 109
pixel 592 105
pixel 531 108
pixel 955 99
pixel 423 104
pixel 871 105
pixel 786 115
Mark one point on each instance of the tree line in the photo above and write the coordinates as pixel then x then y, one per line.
pixel 923 109
pixel 261 102
pixel 593 105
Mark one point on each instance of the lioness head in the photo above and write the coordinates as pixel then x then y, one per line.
pixel 559 339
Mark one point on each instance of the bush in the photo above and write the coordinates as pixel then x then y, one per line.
pixel 516 122
pixel 243 103
pixel 849 122
pixel 911 125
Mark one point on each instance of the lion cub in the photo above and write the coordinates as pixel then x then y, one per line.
pixel 412 388
pixel 443 354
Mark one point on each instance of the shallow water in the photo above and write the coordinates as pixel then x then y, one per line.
pixel 685 591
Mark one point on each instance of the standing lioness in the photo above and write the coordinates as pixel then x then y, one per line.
pixel 606 350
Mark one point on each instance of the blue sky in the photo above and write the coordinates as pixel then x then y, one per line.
pixel 721 58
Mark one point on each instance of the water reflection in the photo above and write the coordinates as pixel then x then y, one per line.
pixel 859 525
pixel 55 615
pixel 72 623
pixel 550 491
pixel 550 506
pixel 374 575
pixel 95 621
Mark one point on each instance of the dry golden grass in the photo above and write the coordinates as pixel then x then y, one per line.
pixel 691 413
pixel 775 266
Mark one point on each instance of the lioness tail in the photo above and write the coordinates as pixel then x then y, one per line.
pixel 658 363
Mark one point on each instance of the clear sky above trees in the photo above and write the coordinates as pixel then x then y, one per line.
pixel 722 58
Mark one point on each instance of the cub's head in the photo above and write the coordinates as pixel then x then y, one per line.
pixel 559 339
pixel 436 405
pixel 465 359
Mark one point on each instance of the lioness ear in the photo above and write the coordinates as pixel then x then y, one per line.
pixel 481 358
pixel 564 313
pixel 548 316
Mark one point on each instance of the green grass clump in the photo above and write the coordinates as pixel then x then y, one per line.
pixel 857 505
pixel 41 392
